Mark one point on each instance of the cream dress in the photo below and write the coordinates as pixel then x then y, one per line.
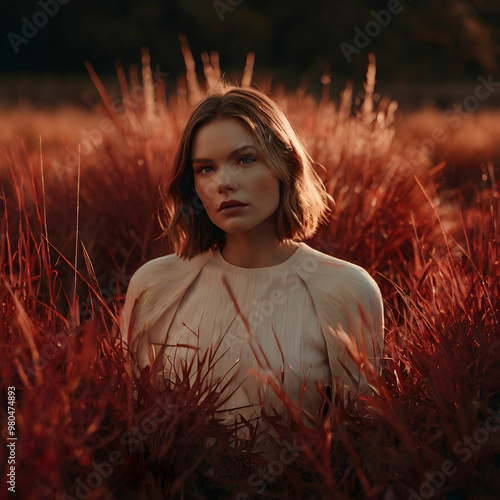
pixel 301 318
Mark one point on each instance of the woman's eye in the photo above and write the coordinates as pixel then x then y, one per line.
pixel 202 169
pixel 246 160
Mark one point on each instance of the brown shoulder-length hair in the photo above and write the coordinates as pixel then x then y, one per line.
pixel 304 202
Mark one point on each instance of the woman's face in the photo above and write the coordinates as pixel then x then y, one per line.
pixel 228 165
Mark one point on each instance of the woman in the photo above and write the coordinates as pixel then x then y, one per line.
pixel 275 314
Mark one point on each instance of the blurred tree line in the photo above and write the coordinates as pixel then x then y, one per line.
pixel 420 40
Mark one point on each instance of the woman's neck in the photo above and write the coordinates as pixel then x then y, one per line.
pixel 242 251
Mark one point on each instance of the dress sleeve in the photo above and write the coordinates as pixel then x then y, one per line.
pixel 153 296
pixel 362 334
pixel 350 310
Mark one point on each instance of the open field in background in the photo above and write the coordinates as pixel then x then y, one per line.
pixel 48 92
pixel 417 206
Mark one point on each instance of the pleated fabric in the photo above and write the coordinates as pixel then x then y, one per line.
pixel 295 326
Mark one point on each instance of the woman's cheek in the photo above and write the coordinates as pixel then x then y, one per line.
pixel 267 185
pixel 206 192
pixel 210 190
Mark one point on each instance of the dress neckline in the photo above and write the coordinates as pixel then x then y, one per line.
pixel 252 270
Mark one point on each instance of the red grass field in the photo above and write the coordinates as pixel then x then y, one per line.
pixel 79 220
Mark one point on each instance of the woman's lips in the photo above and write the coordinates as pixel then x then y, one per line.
pixel 233 208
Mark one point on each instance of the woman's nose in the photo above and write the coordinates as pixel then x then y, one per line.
pixel 225 180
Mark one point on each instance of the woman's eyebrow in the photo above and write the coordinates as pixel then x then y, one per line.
pixel 232 154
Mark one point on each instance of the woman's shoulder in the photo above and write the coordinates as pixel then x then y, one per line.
pixel 336 277
pixel 343 294
pixel 156 268
pixel 158 283
pixel 167 273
